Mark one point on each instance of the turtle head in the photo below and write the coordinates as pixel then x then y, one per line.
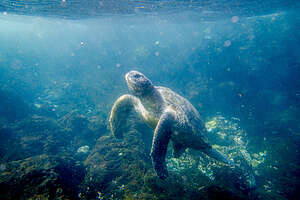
pixel 138 83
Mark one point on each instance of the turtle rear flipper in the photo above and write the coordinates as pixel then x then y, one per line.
pixel 213 153
pixel 162 135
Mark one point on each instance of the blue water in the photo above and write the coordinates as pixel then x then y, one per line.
pixel 62 66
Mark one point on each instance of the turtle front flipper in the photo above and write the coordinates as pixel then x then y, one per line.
pixel 120 111
pixel 162 135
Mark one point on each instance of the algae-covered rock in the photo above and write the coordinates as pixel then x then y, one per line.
pixel 37 134
pixel 41 177
pixel 113 163
pixel 32 136
pixel 82 129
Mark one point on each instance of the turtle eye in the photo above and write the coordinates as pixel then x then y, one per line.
pixel 137 76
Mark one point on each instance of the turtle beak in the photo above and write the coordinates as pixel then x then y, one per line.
pixel 126 77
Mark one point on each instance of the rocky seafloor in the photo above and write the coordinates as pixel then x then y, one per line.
pixel 74 156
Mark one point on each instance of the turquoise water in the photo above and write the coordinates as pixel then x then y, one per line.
pixel 62 67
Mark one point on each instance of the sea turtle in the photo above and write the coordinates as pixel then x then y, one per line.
pixel 170 115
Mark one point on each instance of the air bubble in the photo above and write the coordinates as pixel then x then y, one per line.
pixel 234 19
pixel 227 43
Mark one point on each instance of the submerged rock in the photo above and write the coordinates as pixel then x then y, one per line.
pixel 37 135
pixel 32 136
pixel 113 163
pixel 82 129
pixel 41 177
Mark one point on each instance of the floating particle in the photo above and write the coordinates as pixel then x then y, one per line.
pixel 66 85
pixel 118 65
pixel 234 19
pixel 251 37
pixel 157 53
pixel 39 35
pixel 4 13
pixel 207 30
pixel 157 42
pixel 37 105
pixel 227 43
pixel 273 18
pixel 208 37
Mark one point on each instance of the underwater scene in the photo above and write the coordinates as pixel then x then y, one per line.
pixel 152 99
